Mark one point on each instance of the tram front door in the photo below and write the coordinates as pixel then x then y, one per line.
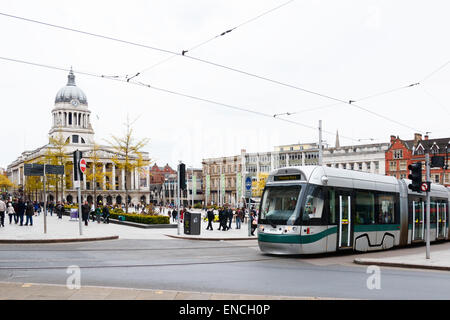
pixel 345 220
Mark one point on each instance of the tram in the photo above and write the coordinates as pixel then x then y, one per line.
pixel 317 209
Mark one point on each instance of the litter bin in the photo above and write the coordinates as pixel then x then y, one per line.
pixel 192 223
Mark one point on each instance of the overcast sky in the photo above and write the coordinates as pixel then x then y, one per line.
pixel 342 49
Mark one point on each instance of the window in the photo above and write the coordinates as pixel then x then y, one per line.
pixel 386 207
pixel 402 165
pixel 278 204
pixel 365 207
pixel 75 138
pixel 436 178
pixel 398 154
pixel 393 165
pixel 82 140
pixel 332 202
pixel 313 203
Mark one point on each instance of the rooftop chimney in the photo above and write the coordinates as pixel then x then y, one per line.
pixel 417 137
pixel 392 138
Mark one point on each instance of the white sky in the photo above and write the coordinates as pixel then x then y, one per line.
pixel 344 49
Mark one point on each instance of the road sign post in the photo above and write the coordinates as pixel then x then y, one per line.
pixel 36 169
pixel 78 172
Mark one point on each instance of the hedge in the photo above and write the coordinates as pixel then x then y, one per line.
pixel 141 218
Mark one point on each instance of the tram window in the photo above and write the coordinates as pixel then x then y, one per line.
pixel 386 208
pixel 365 208
pixel 279 203
pixel 433 211
pixel 332 203
pixel 313 203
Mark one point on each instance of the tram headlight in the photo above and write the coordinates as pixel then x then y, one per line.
pixel 291 230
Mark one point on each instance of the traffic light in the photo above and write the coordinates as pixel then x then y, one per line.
pixel 182 172
pixel 77 174
pixel 415 176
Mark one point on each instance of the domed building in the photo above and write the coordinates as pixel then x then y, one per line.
pixel 71 123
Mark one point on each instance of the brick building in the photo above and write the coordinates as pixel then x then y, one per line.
pixel 402 153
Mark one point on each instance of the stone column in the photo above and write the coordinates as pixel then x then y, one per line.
pixel 147 179
pixel 104 176
pixel 303 158
pixel 113 176
pixel 287 159
pixel 122 185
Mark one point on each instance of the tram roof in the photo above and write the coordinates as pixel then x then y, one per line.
pixel 348 179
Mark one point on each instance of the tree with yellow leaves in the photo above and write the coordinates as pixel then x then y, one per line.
pixel 5 183
pixel 128 154
pixel 56 155
pixel 95 174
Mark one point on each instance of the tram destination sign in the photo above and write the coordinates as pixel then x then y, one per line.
pixel 287 178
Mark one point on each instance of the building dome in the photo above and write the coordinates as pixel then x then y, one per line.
pixel 71 93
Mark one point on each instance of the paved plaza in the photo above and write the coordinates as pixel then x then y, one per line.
pixel 66 229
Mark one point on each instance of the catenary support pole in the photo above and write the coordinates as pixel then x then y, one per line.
pixel 427 166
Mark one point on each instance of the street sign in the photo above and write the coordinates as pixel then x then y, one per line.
pixel 35 169
pixel 248 183
pixel 424 187
pixel 83 165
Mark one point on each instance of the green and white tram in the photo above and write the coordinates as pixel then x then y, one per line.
pixel 316 209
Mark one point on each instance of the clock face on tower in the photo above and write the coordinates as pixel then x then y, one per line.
pixel 74 102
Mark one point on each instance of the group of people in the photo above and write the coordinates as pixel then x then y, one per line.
pixel 96 213
pixel 18 209
pixel 226 215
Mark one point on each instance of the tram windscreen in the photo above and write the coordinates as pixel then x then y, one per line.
pixel 278 205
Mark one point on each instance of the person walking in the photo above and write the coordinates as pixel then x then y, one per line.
pixel 98 214
pixel 21 211
pixel 238 218
pixel 174 215
pixel 16 210
pixel 254 222
pixel 230 217
pixel 210 215
pixel 29 212
pixel 51 206
pixel 85 209
pixel 11 212
pixel 59 209
pixel 221 216
pixel 2 212
pixel 105 214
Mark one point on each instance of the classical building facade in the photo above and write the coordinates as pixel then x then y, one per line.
pixel 365 157
pixel 71 120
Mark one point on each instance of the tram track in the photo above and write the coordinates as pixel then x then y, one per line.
pixel 124 249
pixel 10 268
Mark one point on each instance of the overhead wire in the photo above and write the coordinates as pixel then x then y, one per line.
pixel 170 92
pixel 351 102
pixel 213 38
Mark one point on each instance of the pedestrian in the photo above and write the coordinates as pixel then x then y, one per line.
pixel 238 218
pixel 254 222
pixel 21 211
pixel 221 213
pixel 98 214
pixel 229 216
pixel 59 209
pixel 85 212
pixel 105 214
pixel 2 212
pixel 210 214
pixel 11 212
pixel 174 215
pixel 29 212
pixel 51 206
pixel 16 210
